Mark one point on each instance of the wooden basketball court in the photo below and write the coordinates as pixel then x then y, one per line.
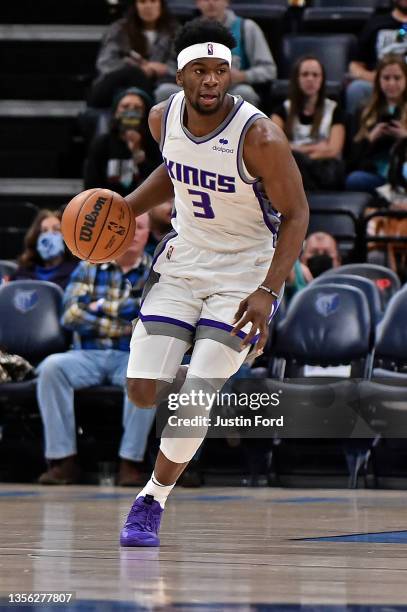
pixel 222 549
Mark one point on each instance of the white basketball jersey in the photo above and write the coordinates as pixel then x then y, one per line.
pixel 218 205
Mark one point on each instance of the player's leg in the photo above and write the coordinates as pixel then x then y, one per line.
pixel 160 339
pixel 216 357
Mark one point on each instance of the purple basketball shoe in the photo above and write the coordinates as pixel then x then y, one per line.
pixel 143 523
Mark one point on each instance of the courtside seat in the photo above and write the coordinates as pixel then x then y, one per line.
pixel 30 319
pixel 366 285
pixel 383 400
pixel 30 327
pixel 7 267
pixel 385 279
pixel 325 325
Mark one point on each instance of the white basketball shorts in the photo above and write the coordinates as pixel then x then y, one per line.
pixel 191 296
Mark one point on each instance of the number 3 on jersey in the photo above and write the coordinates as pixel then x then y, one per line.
pixel 202 207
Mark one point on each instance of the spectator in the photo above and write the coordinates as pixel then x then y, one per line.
pixel 252 61
pixel 320 253
pixel 45 256
pixel 136 51
pixel 298 279
pixel 120 159
pixel 383 34
pixel 314 125
pixel 160 224
pixel 100 303
pixel 383 122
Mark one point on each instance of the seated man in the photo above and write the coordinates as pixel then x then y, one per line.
pixel 320 253
pixel 252 61
pixel 99 304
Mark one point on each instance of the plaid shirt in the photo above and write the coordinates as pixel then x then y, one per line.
pixel 119 295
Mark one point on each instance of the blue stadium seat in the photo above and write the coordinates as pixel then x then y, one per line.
pixel 366 285
pixel 383 400
pixel 30 319
pixel 385 279
pixel 312 332
pixel 336 18
pixel 7 267
pixel 334 51
pixel 340 214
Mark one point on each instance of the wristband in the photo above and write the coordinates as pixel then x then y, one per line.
pixel 270 291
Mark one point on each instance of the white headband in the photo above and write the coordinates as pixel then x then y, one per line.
pixel 202 50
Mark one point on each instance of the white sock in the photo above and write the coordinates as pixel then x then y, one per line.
pixel 159 491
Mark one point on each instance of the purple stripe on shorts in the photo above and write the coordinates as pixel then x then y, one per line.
pixel 219 325
pixel 228 328
pixel 170 320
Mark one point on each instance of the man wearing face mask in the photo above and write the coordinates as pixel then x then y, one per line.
pixel 121 159
pixel 44 256
pixel 320 253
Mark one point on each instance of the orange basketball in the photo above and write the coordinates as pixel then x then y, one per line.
pixel 98 225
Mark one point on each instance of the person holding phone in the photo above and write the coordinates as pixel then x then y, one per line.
pixel 382 123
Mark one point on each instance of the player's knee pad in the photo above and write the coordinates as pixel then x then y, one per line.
pixel 189 420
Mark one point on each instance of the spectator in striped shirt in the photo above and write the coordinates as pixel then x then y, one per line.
pixel 100 303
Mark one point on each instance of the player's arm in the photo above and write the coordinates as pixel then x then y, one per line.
pixel 157 188
pixel 267 155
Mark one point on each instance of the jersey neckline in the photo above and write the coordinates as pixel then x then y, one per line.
pixel 238 101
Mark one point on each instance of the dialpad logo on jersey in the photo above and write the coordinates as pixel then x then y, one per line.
pixel 25 300
pixel 170 251
pixel 327 304
pixel 200 178
pixel 222 141
pixel 210 49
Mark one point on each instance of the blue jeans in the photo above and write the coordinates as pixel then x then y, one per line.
pixel 357 94
pixel 60 374
pixel 363 181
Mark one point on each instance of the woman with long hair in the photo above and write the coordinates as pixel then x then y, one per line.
pixel 382 123
pixel 136 51
pixel 314 126
pixel 44 256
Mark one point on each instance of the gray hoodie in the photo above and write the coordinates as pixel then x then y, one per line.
pixel 262 67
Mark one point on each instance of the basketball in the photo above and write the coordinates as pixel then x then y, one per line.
pixel 98 225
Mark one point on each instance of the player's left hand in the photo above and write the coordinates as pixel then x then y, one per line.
pixel 254 309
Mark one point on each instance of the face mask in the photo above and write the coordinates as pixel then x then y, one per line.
pixel 129 120
pixel 404 171
pixel 50 245
pixel 319 264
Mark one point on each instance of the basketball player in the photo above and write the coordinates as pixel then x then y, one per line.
pixel 217 278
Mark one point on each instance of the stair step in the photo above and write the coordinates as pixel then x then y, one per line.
pixel 51 33
pixel 44 192
pixel 41 108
